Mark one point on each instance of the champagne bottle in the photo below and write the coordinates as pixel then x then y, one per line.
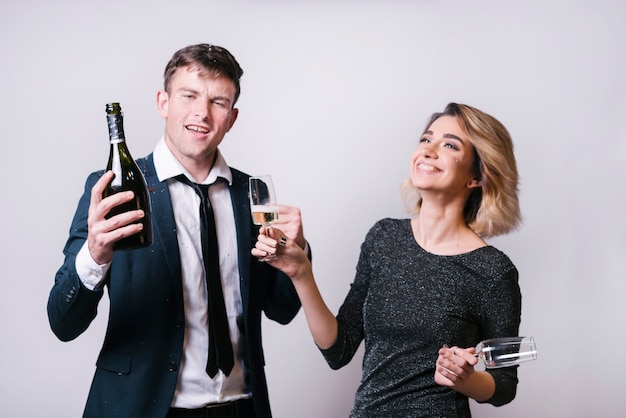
pixel 127 177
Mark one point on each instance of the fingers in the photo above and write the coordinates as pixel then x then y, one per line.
pixel 459 355
pixel 270 242
pixel 283 253
pixel 467 354
pixel 101 184
pixel 99 207
pixel 103 232
pixel 98 189
pixel 290 221
pixel 289 211
pixel 455 365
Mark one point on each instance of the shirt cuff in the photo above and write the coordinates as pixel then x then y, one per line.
pixel 89 272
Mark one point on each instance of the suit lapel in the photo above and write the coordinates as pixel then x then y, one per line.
pixel 243 223
pixel 163 225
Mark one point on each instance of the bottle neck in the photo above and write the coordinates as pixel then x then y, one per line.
pixel 116 128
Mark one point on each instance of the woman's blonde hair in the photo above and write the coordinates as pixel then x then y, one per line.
pixel 492 209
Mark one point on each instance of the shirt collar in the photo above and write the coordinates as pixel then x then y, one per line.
pixel 167 166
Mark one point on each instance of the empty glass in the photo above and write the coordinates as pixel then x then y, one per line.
pixel 507 351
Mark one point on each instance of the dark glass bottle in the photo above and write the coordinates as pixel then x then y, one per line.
pixel 127 177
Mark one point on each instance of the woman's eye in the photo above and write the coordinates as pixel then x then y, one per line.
pixel 424 140
pixel 451 146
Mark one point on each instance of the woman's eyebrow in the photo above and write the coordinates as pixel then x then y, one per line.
pixel 449 136
pixel 452 136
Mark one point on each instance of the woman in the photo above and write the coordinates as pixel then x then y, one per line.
pixel 429 288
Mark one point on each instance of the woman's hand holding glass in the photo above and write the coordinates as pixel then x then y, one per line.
pixel 453 362
pixel 290 224
pixel 454 365
pixel 281 252
pixel 266 211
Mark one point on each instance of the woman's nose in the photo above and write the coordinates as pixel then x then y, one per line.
pixel 429 149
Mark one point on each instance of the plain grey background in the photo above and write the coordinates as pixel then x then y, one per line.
pixel 334 97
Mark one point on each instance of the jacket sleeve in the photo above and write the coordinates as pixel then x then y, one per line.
pixel 266 288
pixel 71 306
pixel 283 303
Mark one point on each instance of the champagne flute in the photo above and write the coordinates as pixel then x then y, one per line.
pixel 263 203
pixel 506 352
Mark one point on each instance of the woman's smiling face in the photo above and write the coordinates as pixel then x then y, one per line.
pixel 443 159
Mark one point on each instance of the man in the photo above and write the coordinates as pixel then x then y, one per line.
pixel 153 362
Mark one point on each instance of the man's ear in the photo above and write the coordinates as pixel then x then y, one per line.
pixel 162 101
pixel 233 117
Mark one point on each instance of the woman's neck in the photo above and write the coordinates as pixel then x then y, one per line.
pixel 442 230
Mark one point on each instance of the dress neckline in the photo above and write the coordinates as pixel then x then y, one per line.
pixel 409 230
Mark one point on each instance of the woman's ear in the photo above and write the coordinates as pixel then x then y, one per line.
pixel 474 182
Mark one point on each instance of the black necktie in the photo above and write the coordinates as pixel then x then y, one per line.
pixel 220 347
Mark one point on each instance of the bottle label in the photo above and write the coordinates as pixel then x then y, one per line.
pixel 116 128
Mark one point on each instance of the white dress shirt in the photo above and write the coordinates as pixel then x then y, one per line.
pixel 195 387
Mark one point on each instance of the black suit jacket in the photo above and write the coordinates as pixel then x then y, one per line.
pixel 137 368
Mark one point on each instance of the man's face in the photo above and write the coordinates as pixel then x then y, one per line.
pixel 198 111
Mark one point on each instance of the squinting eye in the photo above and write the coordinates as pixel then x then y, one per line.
pixel 220 103
pixel 450 145
pixel 424 140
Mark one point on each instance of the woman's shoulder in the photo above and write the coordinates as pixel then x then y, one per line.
pixel 390 227
pixel 389 232
pixel 495 253
pixel 392 223
pixel 491 259
pixel 387 235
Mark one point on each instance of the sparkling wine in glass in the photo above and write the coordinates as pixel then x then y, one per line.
pixel 507 351
pixel 263 203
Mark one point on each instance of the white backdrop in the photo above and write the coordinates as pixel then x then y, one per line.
pixel 334 96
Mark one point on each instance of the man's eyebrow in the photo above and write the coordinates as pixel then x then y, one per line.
pixel 187 90
pixel 196 92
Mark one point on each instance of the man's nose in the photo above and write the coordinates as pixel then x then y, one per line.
pixel 201 109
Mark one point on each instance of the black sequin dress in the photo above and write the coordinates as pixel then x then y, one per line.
pixel 406 303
